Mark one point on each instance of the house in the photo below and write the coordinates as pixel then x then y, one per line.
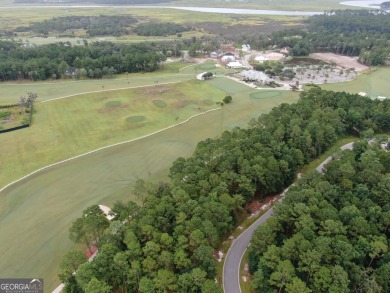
pixel 381 98
pixel 228 58
pixel 246 48
pixel 234 65
pixel 261 59
pixel 201 76
pixel 363 94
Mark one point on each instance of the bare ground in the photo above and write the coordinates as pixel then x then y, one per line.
pixel 340 60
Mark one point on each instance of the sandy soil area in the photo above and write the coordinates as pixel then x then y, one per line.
pixel 343 61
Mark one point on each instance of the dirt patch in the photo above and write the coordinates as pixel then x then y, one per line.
pixel 340 60
pixel 90 252
pixel 256 205
pixel 310 61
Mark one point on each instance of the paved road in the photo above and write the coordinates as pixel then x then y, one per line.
pixel 231 268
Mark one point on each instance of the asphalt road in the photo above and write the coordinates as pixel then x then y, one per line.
pixel 231 268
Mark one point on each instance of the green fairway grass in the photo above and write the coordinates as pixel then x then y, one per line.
pixel 47 90
pixel 375 83
pixel 68 127
pixel 36 212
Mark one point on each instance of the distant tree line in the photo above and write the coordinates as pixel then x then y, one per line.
pixel 168 244
pixel 63 60
pixel 385 5
pixel 348 32
pixel 101 1
pixel 160 29
pixel 94 25
pixel 331 234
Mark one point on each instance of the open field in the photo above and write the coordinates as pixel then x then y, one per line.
pixel 35 244
pixel 264 4
pixel 375 83
pixel 250 4
pixel 205 23
pixel 343 61
pixel 47 90
pixel 75 125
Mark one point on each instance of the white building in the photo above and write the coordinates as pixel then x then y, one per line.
pixel 246 48
pixel 234 65
pixel 200 76
pixel 261 59
pixel 228 58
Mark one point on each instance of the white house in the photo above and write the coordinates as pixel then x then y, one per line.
pixel 381 98
pixel 228 58
pixel 363 94
pixel 234 65
pixel 246 48
pixel 261 59
pixel 200 76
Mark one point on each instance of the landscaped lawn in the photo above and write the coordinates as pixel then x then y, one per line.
pixel 47 90
pixel 35 214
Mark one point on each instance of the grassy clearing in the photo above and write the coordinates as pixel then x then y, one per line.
pixel 47 90
pixel 102 177
pixel 375 83
pixel 68 127
pixel 12 117
pixel 265 4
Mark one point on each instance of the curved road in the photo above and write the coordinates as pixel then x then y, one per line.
pixel 231 267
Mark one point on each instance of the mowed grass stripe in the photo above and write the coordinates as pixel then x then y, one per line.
pixel 68 127
pixel 50 200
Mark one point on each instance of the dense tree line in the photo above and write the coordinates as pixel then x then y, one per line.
pixel 331 234
pixel 94 25
pixel 87 61
pixel 167 245
pixel 348 32
pixel 160 29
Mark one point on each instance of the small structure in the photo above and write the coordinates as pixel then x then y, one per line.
pixel 380 98
pixel 234 65
pixel 261 59
pixel 201 76
pixel 363 94
pixel 285 50
pixel 246 48
pixel 216 54
pixel 228 58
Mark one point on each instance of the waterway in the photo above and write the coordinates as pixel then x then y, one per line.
pixel 363 4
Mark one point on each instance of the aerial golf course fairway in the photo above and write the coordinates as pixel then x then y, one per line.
pixel 36 213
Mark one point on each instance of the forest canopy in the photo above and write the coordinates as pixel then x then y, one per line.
pixel 348 32
pixel 102 25
pixel 331 234
pixel 168 244
pixel 160 29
